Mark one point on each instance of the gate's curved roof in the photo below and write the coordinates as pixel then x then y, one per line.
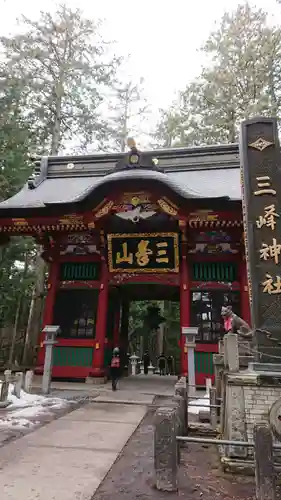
pixel 205 172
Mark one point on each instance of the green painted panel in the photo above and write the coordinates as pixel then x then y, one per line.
pixel 204 362
pixel 215 271
pixel 75 271
pixel 73 356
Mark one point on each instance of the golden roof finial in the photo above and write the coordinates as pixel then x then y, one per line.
pixel 131 143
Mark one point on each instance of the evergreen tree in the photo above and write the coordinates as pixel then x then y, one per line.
pixel 129 111
pixel 16 256
pixel 62 67
pixel 240 81
pixel 15 140
pixel 169 128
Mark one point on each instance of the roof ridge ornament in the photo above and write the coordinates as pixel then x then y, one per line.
pixel 39 173
pixel 136 159
pixel 131 143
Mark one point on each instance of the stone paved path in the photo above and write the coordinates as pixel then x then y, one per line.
pixel 68 458
pixel 141 384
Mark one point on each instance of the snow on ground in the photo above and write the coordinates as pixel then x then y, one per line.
pixel 25 412
pixel 201 404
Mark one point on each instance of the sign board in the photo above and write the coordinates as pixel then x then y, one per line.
pixel 143 253
pixel 261 196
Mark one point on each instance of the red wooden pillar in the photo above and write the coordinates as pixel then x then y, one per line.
pixel 244 291
pixel 116 331
pixel 48 315
pixel 184 304
pixel 98 357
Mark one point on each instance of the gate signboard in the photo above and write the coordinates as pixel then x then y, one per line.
pixel 143 252
pixel 261 195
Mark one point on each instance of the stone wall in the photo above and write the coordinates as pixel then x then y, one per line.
pixel 258 401
pixel 248 400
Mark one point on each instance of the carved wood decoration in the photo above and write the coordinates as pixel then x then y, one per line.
pixel 79 244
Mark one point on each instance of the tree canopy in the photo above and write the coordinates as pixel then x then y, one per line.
pixel 240 80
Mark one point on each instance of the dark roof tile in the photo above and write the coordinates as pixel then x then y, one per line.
pixel 189 184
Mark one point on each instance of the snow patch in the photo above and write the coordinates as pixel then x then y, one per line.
pixel 201 404
pixel 23 412
pixel 17 423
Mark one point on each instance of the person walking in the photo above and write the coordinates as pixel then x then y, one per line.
pixel 162 364
pixel 146 361
pixel 115 367
pixel 170 363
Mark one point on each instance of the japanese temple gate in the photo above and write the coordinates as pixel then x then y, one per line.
pixel 117 226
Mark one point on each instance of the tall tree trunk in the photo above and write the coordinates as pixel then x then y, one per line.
pixel 37 301
pixel 125 124
pixel 3 251
pixel 272 91
pixel 35 313
pixel 56 135
pixel 17 315
pixel 231 127
pixel 160 331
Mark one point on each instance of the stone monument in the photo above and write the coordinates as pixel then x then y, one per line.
pixel 261 201
pixel 249 395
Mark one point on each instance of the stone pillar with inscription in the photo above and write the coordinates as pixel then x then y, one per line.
pixel 261 195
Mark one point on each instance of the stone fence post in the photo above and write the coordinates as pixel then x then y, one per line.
pixel 180 390
pixel 178 402
pixel 165 449
pixel 28 379
pixel 213 411
pixel 231 352
pixel 264 464
pixel 5 389
pixel 18 384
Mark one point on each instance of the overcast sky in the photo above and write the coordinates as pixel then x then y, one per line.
pixel 162 36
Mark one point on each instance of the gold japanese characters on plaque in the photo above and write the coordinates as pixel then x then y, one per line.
pixel 270 249
pixel 143 252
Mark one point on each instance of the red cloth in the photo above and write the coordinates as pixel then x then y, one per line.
pixel 115 362
pixel 228 324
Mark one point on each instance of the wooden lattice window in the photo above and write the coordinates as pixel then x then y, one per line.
pixel 215 271
pixel 75 312
pixel 76 271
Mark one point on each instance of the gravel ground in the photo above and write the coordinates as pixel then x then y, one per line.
pixel 131 477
